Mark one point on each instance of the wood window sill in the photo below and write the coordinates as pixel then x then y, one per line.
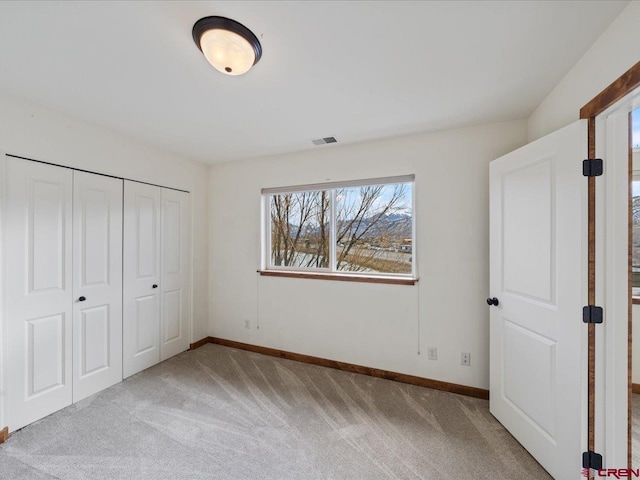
pixel 636 300
pixel 338 277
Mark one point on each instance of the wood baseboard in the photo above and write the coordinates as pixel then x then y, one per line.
pixel 4 434
pixel 635 387
pixel 350 367
pixel 200 343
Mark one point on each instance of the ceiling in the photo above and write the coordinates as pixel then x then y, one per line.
pixel 356 70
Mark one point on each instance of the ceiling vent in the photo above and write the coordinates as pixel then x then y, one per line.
pixel 323 141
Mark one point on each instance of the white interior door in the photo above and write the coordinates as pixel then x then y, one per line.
pixel 175 283
pixel 538 273
pixel 141 266
pixel 38 289
pixel 97 283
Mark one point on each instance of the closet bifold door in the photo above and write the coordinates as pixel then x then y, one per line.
pixel 176 293
pixel 97 283
pixel 37 231
pixel 141 277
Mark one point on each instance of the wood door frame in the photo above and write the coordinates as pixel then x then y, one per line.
pixel 616 91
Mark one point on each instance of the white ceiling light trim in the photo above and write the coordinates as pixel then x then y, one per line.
pixel 227 45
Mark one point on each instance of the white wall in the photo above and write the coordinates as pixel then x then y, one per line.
pixel 610 56
pixel 368 324
pixel 35 132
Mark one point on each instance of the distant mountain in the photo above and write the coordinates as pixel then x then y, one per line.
pixel 394 225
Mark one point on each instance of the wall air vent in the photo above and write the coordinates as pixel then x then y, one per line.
pixel 323 141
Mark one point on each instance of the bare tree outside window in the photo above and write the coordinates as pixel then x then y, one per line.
pixel 373 229
pixel 300 230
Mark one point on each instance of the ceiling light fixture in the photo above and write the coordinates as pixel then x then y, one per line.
pixel 228 45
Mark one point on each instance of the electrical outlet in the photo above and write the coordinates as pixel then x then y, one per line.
pixel 247 323
pixel 465 359
pixel 432 353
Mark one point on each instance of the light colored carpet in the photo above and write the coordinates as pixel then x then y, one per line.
pixel 222 413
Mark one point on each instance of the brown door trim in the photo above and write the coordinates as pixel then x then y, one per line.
pixel 622 86
pixel 625 84
pixel 630 296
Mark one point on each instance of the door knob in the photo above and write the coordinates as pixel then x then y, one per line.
pixel 492 301
pixel 82 299
pixel 154 286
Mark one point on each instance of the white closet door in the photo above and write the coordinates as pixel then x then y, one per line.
pixel 38 287
pixel 97 283
pixel 141 268
pixel 175 303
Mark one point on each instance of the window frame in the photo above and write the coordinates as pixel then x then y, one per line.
pixel 635 177
pixel 331 272
pixel 267 236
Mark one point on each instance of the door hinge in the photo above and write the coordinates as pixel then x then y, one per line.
pixel 592 314
pixel 592 167
pixel 592 460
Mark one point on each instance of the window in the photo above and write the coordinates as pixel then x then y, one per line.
pixel 635 204
pixel 361 228
pixel 635 248
pixel 299 229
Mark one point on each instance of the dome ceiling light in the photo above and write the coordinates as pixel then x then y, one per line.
pixel 228 45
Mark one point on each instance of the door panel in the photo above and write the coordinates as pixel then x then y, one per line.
pixel 146 221
pixel 97 264
pixel 176 293
pixel 529 189
pixel 95 218
pixel 146 323
pixel 94 331
pixel 538 272
pixel 46 252
pixel 45 354
pixel 37 233
pixel 171 315
pixel 141 336
pixel 532 366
